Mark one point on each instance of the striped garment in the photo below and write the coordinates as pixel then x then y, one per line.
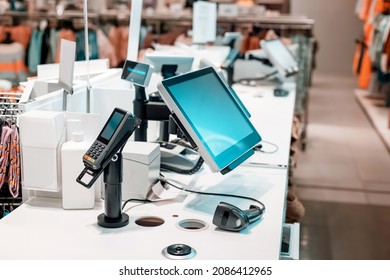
pixel 14 162
pixel 5 146
pixel 12 67
pixel 10 159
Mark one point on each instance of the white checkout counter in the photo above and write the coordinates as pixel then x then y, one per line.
pixel 42 229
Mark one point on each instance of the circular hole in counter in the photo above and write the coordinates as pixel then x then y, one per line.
pixel 149 221
pixel 192 225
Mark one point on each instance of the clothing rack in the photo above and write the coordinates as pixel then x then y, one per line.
pixel 9 109
pixel 275 22
pixel 8 203
pixel 9 105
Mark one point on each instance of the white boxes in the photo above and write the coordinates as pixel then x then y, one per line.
pixel 41 136
pixel 227 10
pixel 141 168
pixel 74 195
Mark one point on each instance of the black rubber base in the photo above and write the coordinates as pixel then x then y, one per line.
pixel 103 221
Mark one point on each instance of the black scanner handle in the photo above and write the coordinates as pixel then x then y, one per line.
pixel 253 213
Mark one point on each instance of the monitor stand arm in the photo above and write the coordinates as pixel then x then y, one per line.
pixel 147 110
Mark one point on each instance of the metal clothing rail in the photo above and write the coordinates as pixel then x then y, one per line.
pixel 280 21
pixel 9 105
pixel 9 109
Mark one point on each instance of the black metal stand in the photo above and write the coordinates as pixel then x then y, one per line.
pixel 113 177
pixel 140 102
pixel 147 110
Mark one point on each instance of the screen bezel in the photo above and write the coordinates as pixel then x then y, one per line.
pixel 104 140
pixel 184 62
pixel 131 63
pixel 229 155
pixel 273 57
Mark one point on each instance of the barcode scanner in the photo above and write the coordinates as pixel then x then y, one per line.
pixel 231 218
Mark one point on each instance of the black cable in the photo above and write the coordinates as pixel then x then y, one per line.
pixel 164 180
pixel 215 194
pixel 264 61
pixel 191 171
pixel 260 147
pixel 137 200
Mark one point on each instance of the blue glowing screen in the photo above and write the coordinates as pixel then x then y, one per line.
pixel 135 72
pixel 215 116
pixel 110 127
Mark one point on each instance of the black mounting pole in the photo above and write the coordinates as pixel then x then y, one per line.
pixel 113 177
pixel 149 110
pixel 140 102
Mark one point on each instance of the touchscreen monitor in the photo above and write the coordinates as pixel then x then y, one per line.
pixel 137 73
pixel 181 63
pixel 280 56
pixel 212 118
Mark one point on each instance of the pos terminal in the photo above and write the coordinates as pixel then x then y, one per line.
pixel 105 156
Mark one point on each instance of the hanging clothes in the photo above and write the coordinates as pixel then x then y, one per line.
pixel 358 56
pixel 124 39
pixel 80 45
pixel 53 41
pixel 106 49
pixel 371 13
pixel 376 73
pixel 365 8
pixel 46 51
pixel 114 36
pixel 359 6
pixel 14 162
pixel 365 71
pixel 5 146
pixel 19 33
pixel 34 52
pixel 67 34
pixel 12 67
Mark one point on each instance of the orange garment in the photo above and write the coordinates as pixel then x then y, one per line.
pixel 250 43
pixel 357 58
pixel 114 36
pixel 368 30
pixel 3 31
pixel 124 38
pixel 168 38
pixel 244 44
pixel 66 34
pixel 365 10
pixel 20 34
pixel 381 6
pixel 247 3
pixel 14 66
pixel 365 71
pixel 254 43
